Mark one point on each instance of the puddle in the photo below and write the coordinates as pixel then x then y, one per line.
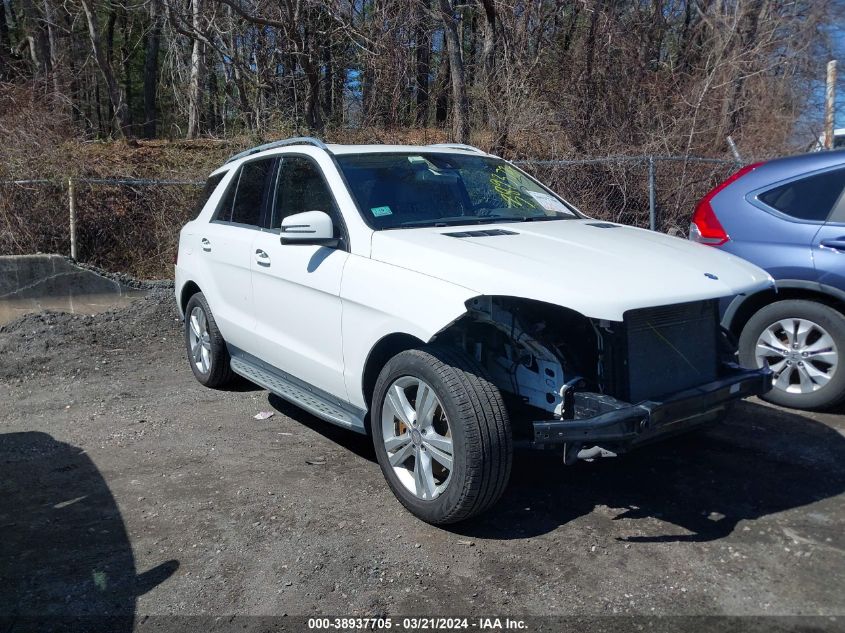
pixel 34 283
pixel 11 309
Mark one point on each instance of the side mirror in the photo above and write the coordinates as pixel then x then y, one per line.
pixel 310 227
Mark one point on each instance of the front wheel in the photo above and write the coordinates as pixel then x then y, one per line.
pixel 802 342
pixel 441 434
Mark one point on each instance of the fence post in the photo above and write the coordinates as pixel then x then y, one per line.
pixel 830 105
pixel 652 205
pixel 71 194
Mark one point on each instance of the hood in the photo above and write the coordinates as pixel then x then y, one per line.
pixel 596 268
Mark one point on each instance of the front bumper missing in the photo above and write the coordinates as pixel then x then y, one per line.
pixel 603 420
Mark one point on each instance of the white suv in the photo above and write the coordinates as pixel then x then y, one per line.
pixel 448 304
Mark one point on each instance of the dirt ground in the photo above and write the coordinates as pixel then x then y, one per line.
pixel 127 487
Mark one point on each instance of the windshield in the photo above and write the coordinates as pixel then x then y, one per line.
pixel 411 190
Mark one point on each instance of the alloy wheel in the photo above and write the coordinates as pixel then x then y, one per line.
pixel 199 340
pixel 417 437
pixel 801 353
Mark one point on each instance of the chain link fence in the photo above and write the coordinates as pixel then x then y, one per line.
pixel 121 225
pixel 132 225
pixel 656 192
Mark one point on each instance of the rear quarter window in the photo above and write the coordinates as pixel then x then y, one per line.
pixel 810 198
pixel 244 198
pixel 207 190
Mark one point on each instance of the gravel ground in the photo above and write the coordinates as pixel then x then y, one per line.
pixel 128 488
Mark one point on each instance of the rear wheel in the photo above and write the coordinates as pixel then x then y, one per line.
pixel 802 342
pixel 207 352
pixel 441 434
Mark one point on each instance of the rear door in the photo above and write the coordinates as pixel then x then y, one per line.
pixel 828 191
pixel 226 242
pixel 297 286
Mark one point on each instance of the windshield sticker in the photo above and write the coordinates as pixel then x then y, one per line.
pixel 381 211
pixel 509 193
pixel 549 203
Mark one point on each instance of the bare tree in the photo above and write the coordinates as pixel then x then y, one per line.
pixel 117 97
pixel 195 83
pixel 460 101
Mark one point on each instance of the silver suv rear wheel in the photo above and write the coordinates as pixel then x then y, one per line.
pixel 801 341
pixel 801 353
pixel 207 351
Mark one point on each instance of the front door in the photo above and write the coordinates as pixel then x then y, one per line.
pixel 296 287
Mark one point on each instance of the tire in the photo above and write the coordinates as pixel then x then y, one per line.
pixel 211 367
pixel 807 360
pixel 468 412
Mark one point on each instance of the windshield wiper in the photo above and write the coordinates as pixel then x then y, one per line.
pixel 469 220
pixel 463 219
pixel 520 218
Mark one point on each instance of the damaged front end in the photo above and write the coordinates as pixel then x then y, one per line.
pixel 592 387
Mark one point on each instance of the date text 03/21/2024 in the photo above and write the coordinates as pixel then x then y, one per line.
pixel 417 624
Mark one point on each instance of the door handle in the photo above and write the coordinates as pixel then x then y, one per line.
pixel 206 245
pixel 262 258
pixel 837 244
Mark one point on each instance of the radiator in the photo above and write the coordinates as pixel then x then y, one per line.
pixel 669 349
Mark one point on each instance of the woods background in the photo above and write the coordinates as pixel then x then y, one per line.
pixel 169 88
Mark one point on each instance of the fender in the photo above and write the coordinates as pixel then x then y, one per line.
pixel 381 299
pixel 800 284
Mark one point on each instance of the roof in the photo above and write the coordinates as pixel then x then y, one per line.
pixel 308 141
pixel 405 149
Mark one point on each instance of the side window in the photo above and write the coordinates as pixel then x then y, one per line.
pixel 810 198
pixel 207 190
pixel 249 196
pixel 224 209
pixel 300 187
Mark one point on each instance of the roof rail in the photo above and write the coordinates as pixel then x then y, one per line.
pixel 469 148
pixel 297 140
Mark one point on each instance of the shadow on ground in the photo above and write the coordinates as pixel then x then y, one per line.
pixel 359 444
pixel 65 556
pixel 760 461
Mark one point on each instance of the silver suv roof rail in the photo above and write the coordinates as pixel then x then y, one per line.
pixel 297 140
pixel 469 148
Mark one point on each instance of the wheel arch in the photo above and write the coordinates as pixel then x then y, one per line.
pixel 741 309
pixel 188 290
pixel 386 348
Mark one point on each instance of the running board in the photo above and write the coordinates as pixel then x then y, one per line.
pixel 295 391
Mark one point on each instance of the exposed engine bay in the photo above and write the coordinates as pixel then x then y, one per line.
pixel 541 355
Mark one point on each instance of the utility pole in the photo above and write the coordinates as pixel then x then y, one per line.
pixel 830 105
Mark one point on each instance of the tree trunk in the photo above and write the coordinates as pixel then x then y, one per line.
pixel 126 54
pixel 488 47
pixel 151 48
pixel 328 80
pixel 441 90
pixel 5 45
pixel 54 50
pixel 313 116
pixel 36 38
pixel 195 81
pixel 116 97
pixel 212 116
pixel 734 110
pixel 422 58
pixel 460 101
pixel 487 76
